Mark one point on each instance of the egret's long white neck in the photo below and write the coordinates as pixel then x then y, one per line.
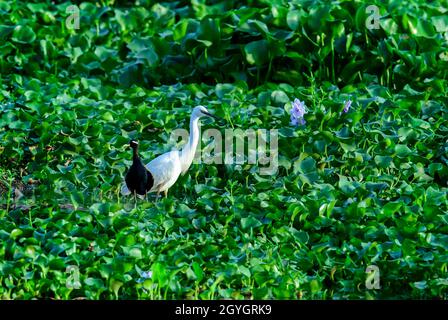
pixel 188 151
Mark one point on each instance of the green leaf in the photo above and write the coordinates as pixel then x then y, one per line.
pixel 402 150
pixel 315 286
pixel 257 52
pixel 136 253
pixel 279 97
pixel 347 147
pixel 440 23
pixel 383 161
pixel 57 264
pixel 245 271
pixel 115 286
pixel 16 233
pixel 293 19
pixel 5 31
pixel 435 197
pixel 23 34
pixel 301 236
pixel 97 283
pixel 168 224
pixel 250 222
pixel 421 285
pixel 108 116
pixel 307 165
pixel 391 207
pixel 198 271
pixel 150 55
pixel 159 273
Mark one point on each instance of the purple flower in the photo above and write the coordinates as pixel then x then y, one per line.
pixel 347 105
pixel 143 276
pixel 297 112
pixel 146 274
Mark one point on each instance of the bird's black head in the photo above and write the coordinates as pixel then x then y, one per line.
pixel 133 144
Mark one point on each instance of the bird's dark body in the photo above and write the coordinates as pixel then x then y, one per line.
pixel 138 179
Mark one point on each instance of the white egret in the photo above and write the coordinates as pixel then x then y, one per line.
pixel 162 172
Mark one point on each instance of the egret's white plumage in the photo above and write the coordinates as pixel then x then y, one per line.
pixel 167 167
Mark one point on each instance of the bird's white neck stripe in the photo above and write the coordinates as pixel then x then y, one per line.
pixel 189 150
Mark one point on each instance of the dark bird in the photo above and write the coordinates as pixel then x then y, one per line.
pixel 138 179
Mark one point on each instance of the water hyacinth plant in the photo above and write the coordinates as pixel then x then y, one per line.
pixel 361 184
pixel 298 112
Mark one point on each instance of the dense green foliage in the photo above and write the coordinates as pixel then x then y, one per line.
pixel 366 187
